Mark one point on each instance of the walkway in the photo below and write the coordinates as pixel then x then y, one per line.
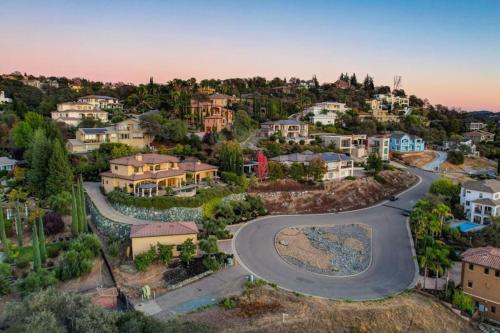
pixel 94 192
pixel 434 165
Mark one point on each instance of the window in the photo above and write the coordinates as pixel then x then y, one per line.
pixel 480 195
pixel 116 167
pixel 136 169
pixel 493 309
pixel 497 273
pixel 486 270
pixel 467 203
pixel 469 284
pixel 471 267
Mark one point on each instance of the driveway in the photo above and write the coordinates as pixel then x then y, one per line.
pixel 393 267
pixel 434 165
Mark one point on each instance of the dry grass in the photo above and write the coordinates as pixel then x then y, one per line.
pixel 470 164
pixel 419 159
pixel 280 311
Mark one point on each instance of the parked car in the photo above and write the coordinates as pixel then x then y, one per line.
pixel 406 213
pixel 393 198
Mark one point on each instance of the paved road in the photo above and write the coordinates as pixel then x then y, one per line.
pixel 99 200
pixel 434 165
pixel 391 271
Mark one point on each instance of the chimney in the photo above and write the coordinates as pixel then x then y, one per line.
pixel 138 157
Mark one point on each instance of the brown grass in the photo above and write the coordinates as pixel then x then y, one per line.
pixel 419 159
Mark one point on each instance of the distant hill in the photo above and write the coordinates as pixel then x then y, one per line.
pixel 484 115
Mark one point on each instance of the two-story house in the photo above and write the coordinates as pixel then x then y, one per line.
pixel 480 136
pixel 127 131
pixel 213 113
pixel 289 128
pixel 101 102
pixel 379 145
pixel 143 174
pixel 354 145
pixel 481 200
pixel 72 113
pixel 338 166
pixel 404 143
pixel 325 113
pixel 481 279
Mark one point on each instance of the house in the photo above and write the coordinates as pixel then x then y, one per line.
pixel 72 113
pixel 32 82
pixel 325 113
pixel 354 145
pixel 379 145
pixel 101 102
pixel 342 84
pixel 404 143
pixel 481 279
pixel 393 100
pixel 481 200
pixel 206 90
pixel 3 99
pixel 338 165
pixel 143 236
pixel 128 131
pixel 143 174
pixel 464 144
pixel 213 113
pixel 474 126
pixel 291 129
pixel 480 136
pixel 7 164
pixel 324 119
pixel 198 171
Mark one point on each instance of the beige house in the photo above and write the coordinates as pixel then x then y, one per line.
pixel 143 174
pixel 101 102
pixel 127 131
pixel 379 145
pixel 480 136
pixel 481 279
pixel 196 171
pixel 72 113
pixel 143 236
pixel 214 112
pixel 354 145
pixel 291 129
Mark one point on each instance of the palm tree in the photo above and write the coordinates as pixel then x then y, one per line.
pixel 424 261
pixel 442 211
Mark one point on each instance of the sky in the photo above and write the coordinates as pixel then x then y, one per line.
pixel 447 51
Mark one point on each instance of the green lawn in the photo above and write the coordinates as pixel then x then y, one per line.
pixel 26 252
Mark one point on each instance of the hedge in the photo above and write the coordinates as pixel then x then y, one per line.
pixel 166 202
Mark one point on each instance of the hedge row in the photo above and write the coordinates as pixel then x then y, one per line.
pixel 166 202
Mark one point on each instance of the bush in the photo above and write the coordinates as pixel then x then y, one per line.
pixel 463 302
pixel 229 303
pixel 53 251
pixel 22 263
pixel 165 253
pixel 113 249
pixel 60 202
pixel 73 264
pixel 86 243
pixel 36 281
pixel 456 157
pixel 233 179
pixel 53 223
pixel 211 263
pixel 143 260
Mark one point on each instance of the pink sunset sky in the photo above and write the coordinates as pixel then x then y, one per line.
pixel 448 54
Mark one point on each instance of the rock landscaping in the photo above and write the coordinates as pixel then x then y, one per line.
pixel 340 250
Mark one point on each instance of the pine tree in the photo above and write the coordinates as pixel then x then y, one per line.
pixel 37 262
pixel 83 207
pixel 3 235
pixel 19 228
pixel 60 174
pixel 75 222
pixel 41 236
pixel 39 155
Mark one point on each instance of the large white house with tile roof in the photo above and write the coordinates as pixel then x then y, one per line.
pixel 481 200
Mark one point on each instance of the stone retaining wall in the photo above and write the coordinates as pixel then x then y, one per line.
pixel 106 226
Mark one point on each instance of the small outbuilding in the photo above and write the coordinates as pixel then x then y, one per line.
pixel 143 236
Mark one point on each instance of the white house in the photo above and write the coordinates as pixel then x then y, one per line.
pixel 101 102
pixel 325 113
pixel 354 145
pixel 7 164
pixel 72 113
pixel 339 166
pixel 481 200
pixel 324 119
pixel 4 99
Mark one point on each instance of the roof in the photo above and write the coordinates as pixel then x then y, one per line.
pixel 97 97
pixel 220 96
pixel 7 161
pixel 284 122
pixel 141 159
pixel 398 135
pixel 194 166
pixel 146 175
pixel 487 202
pixel 94 130
pixel 488 185
pixel 302 158
pixel 478 133
pixel 488 256
pixel 163 229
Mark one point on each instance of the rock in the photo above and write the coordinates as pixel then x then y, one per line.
pixel 283 242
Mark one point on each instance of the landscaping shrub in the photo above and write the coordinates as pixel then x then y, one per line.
pixel 166 202
pixel 113 248
pixel 165 253
pixel 73 264
pixel 233 179
pixel 86 242
pixel 22 263
pixel 455 157
pixel 210 207
pixel 229 303
pixel 463 302
pixel 211 263
pixel 36 281
pixel 53 223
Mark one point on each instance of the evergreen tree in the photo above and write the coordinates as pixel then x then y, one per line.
pixel 41 236
pixel 37 262
pixel 354 81
pixel 81 208
pixel 19 228
pixel 231 157
pixel 75 225
pixel 39 156
pixel 3 235
pixel 60 174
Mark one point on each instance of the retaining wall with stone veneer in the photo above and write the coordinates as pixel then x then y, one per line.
pixel 106 226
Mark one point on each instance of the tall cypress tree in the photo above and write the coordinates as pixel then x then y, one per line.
pixel 82 202
pixel 39 155
pixel 60 174
pixel 37 262
pixel 19 227
pixel 81 213
pixel 41 236
pixel 3 235
pixel 75 222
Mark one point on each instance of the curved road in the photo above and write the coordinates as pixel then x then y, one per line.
pixel 392 269
pixel 434 165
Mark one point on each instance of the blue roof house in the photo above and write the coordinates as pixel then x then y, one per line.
pixel 404 143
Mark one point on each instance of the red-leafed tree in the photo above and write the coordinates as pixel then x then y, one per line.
pixel 261 169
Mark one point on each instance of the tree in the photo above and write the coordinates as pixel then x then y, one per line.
pixel 22 133
pixel 188 251
pixel 19 227
pixel 463 301
pixel 41 234
pixel 39 155
pixel 317 168
pixel 354 81
pixel 3 235
pixel 75 222
pixel 442 211
pixel 297 171
pixel 374 163
pixel 35 248
pixel 209 245
pixel 276 171
pixel 165 253
pixel 262 167
pixel 83 209
pixel 455 157
pixel 60 174
pixel 231 157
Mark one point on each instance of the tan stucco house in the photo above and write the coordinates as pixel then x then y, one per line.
pixel 197 171
pixel 143 236
pixel 214 112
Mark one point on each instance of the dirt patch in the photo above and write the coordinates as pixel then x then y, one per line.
pixel 419 159
pixel 286 312
pixel 338 196
pixel 470 164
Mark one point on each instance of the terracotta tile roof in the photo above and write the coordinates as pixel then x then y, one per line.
pixel 488 256
pixel 488 185
pixel 163 229
pixel 146 175
pixel 193 166
pixel 141 159
pixel 477 134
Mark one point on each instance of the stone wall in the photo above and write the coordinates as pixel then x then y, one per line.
pixel 106 226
